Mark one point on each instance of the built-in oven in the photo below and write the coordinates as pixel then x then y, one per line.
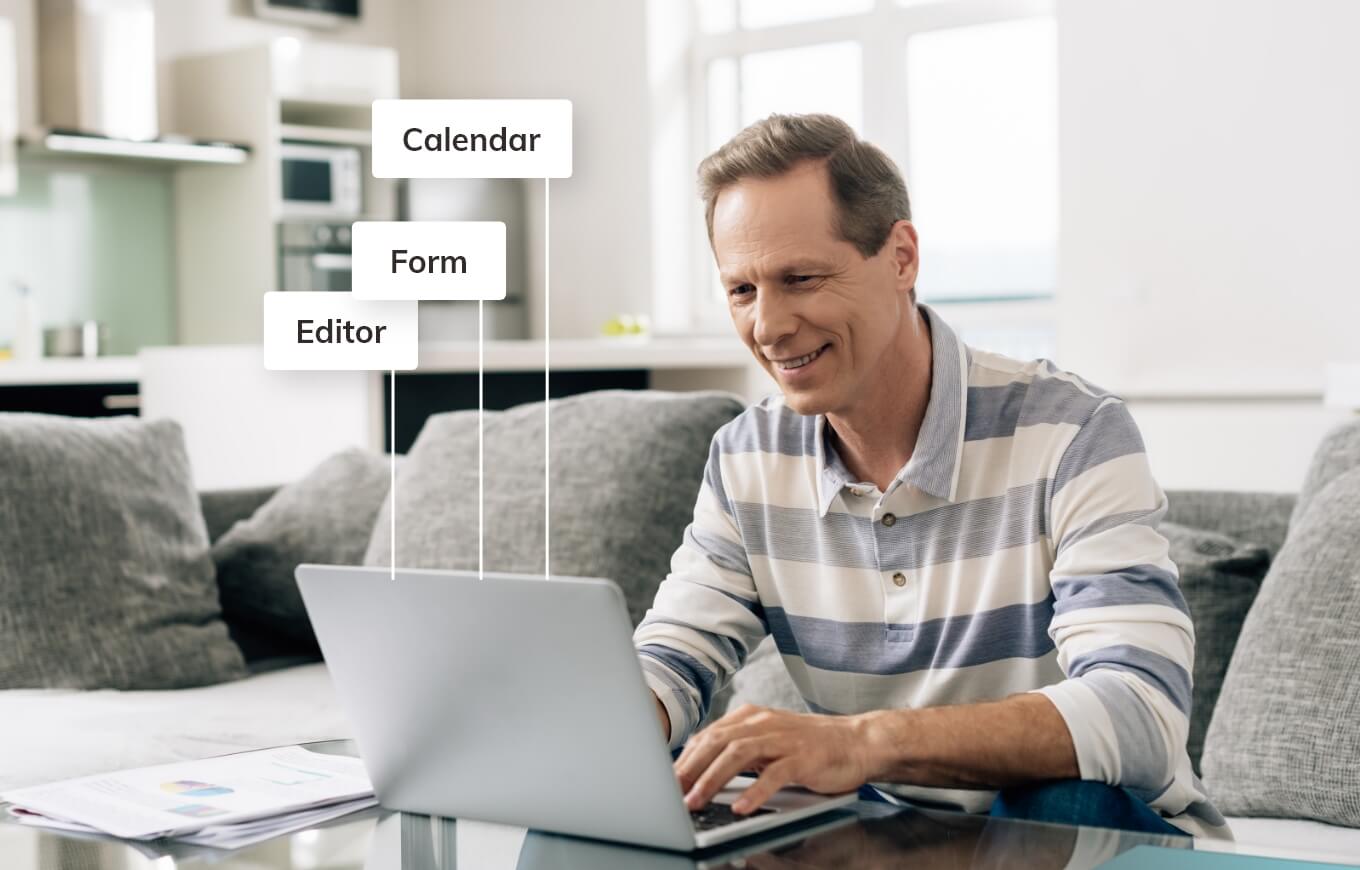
pixel 314 255
pixel 320 181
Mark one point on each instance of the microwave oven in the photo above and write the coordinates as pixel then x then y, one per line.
pixel 320 181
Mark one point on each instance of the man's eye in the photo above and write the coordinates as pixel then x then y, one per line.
pixel 800 279
pixel 741 290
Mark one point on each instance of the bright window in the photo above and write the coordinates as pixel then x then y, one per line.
pixel 961 93
pixel 813 78
pixel 755 14
pixel 982 136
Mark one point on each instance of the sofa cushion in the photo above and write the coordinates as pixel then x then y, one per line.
pixel 626 469
pixel 1283 740
pixel 1259 517
pixel 105 576
pixel 1338 453
pixel 224 508
pixel 1219 577
pixel 1297 839
pixel 67 734
pixel 325 517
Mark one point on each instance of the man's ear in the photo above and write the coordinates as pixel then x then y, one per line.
pixel 905 253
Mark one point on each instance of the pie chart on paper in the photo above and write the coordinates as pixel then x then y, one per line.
pixel 192 788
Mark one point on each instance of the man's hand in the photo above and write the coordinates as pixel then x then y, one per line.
pixel 992 744
pixel 821 753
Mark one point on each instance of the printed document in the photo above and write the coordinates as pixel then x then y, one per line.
pixel 211 798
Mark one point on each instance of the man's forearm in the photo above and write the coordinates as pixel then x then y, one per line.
pixel 990 745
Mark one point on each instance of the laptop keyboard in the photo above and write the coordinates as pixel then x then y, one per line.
pixel 716 815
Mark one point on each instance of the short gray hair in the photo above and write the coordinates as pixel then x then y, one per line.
pixel 869 191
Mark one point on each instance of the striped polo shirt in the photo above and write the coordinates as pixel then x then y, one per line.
pixel 1016 551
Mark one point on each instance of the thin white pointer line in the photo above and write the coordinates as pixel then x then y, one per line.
pixel 393 485
pixel 481 468
pixel 547 309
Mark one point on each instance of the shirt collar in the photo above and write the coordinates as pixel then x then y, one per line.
pixel 934 464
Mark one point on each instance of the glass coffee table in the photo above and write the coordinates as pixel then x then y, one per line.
pixel 864 835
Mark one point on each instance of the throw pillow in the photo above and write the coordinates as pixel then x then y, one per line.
pixel 1219 577
pixel 626 469
pixel 224 508
pixel 325 517
pixel 1338 453
pixel 105 577
pixel 1283 740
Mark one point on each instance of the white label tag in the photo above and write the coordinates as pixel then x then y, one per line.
pixel 337 332
pixel 472 138
pixel 429 260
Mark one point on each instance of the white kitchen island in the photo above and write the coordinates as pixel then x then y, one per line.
pixel 245 426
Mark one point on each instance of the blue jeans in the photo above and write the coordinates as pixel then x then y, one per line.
pixel 1081 802
pixel 1071 802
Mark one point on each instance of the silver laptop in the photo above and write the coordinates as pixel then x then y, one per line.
pixel 513 699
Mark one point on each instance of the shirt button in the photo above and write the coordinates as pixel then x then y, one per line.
pixel 888 520
pixel 899 579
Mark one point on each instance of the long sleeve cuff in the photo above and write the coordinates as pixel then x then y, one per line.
pixel 1093 733
pixel 668 694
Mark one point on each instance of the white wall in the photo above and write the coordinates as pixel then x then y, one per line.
pixel 1210 176
pixel 592 52
pixel 1261 445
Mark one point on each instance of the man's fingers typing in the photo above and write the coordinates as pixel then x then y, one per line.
pixel 736 757
pixel 771 779
pixel 705 746
pixel 698 755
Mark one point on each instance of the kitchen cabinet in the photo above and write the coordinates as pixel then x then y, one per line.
pixel 101 387
pixel 421 394
pixel 71 400
pixel 261 95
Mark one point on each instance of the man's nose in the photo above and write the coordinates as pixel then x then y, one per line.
pixel 775 318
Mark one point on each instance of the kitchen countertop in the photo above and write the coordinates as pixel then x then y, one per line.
pixel 100 370
pixel 700 353
pixel 708 352
pixel 696 354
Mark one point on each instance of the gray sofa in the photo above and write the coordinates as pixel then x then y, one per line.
pixel 288 700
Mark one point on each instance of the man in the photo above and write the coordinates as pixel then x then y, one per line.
pixel 956 552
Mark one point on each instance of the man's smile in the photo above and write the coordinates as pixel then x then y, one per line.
pixel 797 362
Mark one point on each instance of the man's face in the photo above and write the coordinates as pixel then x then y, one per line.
pixel 818 315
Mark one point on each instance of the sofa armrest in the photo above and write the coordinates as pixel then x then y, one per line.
pixel 1251 517
pixel 223 508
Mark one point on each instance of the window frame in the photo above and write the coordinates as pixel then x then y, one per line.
pixel 882 33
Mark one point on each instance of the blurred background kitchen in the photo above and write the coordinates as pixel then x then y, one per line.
pixel 1158 194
